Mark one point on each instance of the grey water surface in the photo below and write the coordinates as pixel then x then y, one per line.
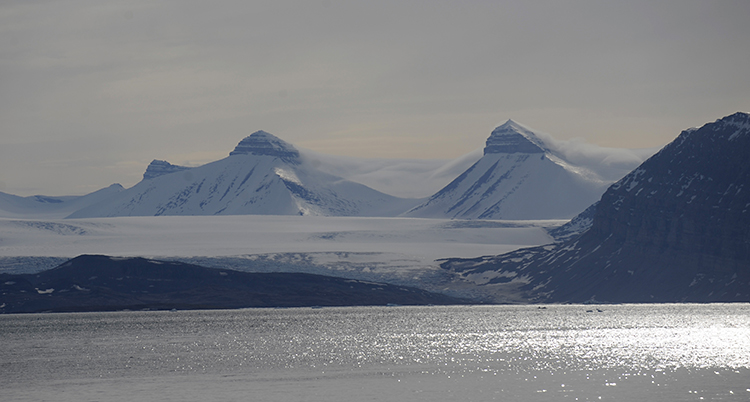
pixel 666 352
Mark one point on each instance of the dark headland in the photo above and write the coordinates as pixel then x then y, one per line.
pixel 103 283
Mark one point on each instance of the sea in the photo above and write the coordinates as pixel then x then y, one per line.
pixel 628 352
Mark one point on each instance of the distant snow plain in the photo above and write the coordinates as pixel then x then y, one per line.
pixel 396 250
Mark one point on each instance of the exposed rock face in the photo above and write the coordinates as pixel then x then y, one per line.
pixel 511 138
pixel 102 283
pixel 688 202
pixel 159 168
pixel 581 223
pixel 517 178
pixel 675 229
pixel 263 143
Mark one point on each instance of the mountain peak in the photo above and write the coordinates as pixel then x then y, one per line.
pixel 159 168
pixel 263 143
pixel 512 124
pixel 512 137
pixel 738 118
pixel 739 121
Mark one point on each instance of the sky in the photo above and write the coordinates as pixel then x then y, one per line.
pixel 92 91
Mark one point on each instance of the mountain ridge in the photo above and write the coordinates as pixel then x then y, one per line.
pixel 262 175
pixel 324 177
pixel 105 283
pixel 41 206
pixel 676 229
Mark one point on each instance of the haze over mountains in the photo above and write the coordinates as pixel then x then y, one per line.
pixel 48 207
pixel 266 175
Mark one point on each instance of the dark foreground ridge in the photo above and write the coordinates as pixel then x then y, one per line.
pixel 103 283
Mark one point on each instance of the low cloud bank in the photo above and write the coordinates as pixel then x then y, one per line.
pixel 420 178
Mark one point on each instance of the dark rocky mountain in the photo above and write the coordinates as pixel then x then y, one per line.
pixel 518 177
pixel 102 283
pixel 676 229
pixel 576 226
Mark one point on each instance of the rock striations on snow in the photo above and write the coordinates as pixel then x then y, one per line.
pixel 676 229
pixel 517 178
pixel 511 138
pixel 262 143
pixel 159 168
pixel 262 176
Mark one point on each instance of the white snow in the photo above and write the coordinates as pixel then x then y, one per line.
pixel 249 184
pixel 12 206
pixel 409 242
pixel 514 186
pixel 287 175
pixel 335 185
pixel 529 175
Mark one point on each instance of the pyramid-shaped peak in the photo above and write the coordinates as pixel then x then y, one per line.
pixel 263 143
pixel 512 125
pixel 512 137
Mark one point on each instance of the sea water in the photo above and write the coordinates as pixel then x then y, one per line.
pixel 672 352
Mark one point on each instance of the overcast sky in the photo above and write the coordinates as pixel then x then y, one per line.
pixel 92 91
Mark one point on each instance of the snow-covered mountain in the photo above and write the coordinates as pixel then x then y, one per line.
pixel 519 177
pixel 676 229
pixel 45 207
pixel 262 175
pixel 402 178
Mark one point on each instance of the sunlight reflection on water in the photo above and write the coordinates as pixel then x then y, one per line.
pixel 484 352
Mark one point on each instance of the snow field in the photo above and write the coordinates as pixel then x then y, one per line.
pixel 214 236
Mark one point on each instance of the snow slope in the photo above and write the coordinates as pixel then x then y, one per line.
pixel 45 207
pixel 518 177
pixel 263 175
pixel 322 175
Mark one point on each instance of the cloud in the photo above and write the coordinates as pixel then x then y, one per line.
pixel 611 164
pixel 408 178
